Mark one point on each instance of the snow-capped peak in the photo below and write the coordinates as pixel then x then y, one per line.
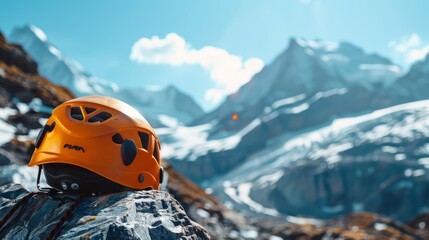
pixel 58 68
pixel 315 44
pixel 38 32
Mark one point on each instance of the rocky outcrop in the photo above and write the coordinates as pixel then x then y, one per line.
pixel 125 215
pixel 20 79
pixel 204 208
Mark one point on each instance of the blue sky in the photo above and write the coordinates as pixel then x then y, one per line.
pixel 100 34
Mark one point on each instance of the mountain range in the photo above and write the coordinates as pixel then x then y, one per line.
pixel 320 132
pixel 162 107
pixel 306 87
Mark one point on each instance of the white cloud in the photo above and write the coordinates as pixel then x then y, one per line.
pixel 227 70
pixel 411 47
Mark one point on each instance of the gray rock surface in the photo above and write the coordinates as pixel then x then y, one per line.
pixel 125 215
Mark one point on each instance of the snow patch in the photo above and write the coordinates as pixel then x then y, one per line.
pixel 380 226
pixel 243 194
pixel 22 107
pixel 188 143
pixel 325 45
pixel 7 132
pixel 26 176
pixel 2 73
pixel 55 51
pixel 341 123
pixel 400 157
pixel 39 33
pixel 249 234
pixel 37 105
pixel 334 57
pixel 202 213
pixel 389 149
pixel 380 67
pixel 269 178
pixel 168 121
pixel 288 101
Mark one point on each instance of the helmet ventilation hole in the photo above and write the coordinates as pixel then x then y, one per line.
pixel 89 110
pixel 144 138
pixel 117 138
pixel 76 113
pixel 155 152
pixel 141 178
pixel 100 117
pixel 129 151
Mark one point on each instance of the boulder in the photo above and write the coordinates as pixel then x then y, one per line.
pixel 124 215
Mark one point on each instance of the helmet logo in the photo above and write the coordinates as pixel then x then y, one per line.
pixel 74 147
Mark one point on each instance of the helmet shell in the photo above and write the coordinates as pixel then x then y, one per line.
pixel 103 135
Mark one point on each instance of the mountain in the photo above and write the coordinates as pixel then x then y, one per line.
pixel 54 65
pixel 27 100
pixel 289 156
pixel 376 162
pixel 415 84
pixel 304 69
pixel 162 107
pixel 308 85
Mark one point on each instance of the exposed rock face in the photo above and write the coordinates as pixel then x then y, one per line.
pixel 125 215
pixel 395 189
pixel 19 79
pixel 375 162
pixel 306 87
pixel 204 208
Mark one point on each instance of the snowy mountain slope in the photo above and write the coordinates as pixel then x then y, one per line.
pixel 57 67
pixel 204 151
pixel 376 162
pixel 308 86
pixel 162 107
pixel 415 84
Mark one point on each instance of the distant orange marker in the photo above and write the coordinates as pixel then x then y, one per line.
pixel 234 116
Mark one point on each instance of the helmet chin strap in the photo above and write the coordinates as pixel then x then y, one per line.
pixel 44 189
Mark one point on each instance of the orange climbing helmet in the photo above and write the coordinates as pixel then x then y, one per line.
pixel 98 144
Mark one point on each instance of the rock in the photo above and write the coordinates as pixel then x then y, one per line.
pixel 19 151
pixel 124 215
pixel 204 208
pixel 384 187
pixel 14 55
pixel 21 80
pixel 354 226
